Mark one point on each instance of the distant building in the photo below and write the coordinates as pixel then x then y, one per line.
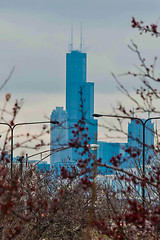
pixel 76 68
pixel 59 136
pixel 43 166
pixel 135 134
pixel 40 165
pixel 78 92
pixel 107 150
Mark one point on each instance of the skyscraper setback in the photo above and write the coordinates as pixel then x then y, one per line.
pixel 76 82
pixel 76 66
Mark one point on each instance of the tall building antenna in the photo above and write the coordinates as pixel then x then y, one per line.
pixel 81 39
pixel 71 40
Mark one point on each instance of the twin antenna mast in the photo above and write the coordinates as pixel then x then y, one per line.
pixel 71 40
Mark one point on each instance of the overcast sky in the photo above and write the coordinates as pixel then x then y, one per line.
pixel 35 35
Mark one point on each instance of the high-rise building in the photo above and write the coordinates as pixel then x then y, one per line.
pixel 107 150
pixel 76 69
pixel 59 136
pixel 135 139
pixel 75 79
pixel 78 92
pixel 135 133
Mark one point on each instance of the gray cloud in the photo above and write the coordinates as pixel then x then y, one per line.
pixel 34 39
pixel 85 8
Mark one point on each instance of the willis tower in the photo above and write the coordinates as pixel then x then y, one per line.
pixel 76 82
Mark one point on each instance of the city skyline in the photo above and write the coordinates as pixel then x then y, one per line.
pixel 34 38
pixel 80 95
pixel 80 119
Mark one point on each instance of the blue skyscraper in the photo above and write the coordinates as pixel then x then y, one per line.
pixel 135 134
pixel 59 136
pixel 107 150
pixel 75 79
pixel 76 82
pixel 76 68
pixel 135 138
